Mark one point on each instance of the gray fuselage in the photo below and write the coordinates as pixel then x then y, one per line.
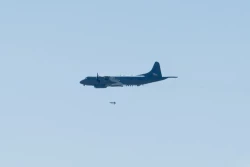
pixel 154 75
pixel 103 82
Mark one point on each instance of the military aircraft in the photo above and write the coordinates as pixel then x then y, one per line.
pixel 112 102
pixel 119 81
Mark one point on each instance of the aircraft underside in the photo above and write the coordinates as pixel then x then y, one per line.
pixel 121 83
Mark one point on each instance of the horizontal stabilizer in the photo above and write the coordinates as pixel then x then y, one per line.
pixel 172 77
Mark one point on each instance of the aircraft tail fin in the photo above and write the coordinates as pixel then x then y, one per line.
pixel 155 72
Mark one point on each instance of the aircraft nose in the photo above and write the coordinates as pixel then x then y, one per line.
pixel 82 82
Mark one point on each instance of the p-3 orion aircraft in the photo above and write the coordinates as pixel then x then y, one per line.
pixel 119 81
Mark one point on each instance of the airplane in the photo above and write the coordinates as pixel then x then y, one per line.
pixel 154 75
pixel 112 103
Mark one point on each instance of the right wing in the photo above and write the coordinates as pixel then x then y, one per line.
pixel 115 82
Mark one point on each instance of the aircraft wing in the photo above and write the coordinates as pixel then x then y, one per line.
pixel 115 82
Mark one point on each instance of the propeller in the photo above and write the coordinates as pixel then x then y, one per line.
pixel 97 78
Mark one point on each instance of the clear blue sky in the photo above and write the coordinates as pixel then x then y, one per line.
pixel 200 119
